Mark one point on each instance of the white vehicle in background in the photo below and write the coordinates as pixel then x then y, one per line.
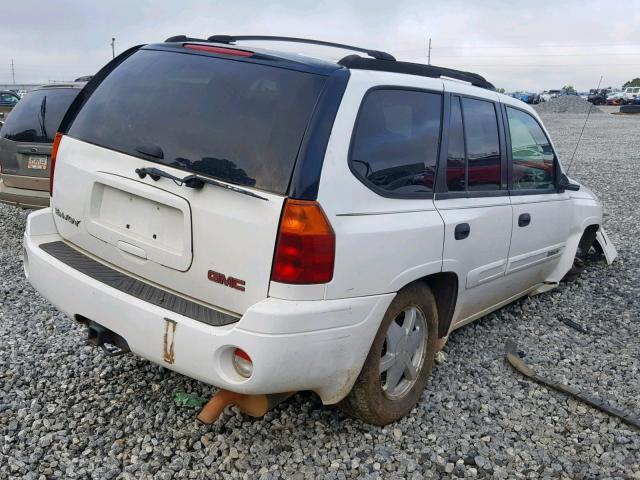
pixel 549 94
pixel 629 95
pixel 306 225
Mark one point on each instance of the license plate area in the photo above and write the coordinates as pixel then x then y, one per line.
pixel 37 162
pixel 155 223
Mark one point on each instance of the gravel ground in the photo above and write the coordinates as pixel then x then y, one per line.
pixel 67 411
pixel 566 104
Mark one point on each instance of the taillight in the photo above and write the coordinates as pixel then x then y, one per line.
pixel 219 50
pixel 52 166
pixel 306 247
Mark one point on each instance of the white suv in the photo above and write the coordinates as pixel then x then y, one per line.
pixel 629 94
pixel 268 222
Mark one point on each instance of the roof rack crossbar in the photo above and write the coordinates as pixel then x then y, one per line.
pixel 234 38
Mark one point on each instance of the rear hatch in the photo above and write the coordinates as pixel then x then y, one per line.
pixel 234 121
pixel 27 135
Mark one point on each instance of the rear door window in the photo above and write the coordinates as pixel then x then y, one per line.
pixel 237 121
pixel 396 141
pixel 531 153
pixel 473 157
pixel 37 116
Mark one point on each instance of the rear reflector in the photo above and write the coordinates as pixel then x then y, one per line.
pixel 305 251
pixel 52 166
pixel 242 363
pixel 218 50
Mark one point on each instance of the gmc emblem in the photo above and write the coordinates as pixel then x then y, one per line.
pixel 222 279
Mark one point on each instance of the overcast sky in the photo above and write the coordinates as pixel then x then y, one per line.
pixel 518 45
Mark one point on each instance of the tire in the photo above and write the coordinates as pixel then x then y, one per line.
pixel 630 109
pixel 375 397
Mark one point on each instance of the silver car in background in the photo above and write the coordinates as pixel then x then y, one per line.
pixel 26 139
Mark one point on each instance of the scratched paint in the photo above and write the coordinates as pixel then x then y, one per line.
pixel 168 339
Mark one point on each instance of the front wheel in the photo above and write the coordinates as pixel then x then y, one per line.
pixel 399 363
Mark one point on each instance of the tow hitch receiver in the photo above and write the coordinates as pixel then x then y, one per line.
pixel 252 405
pixel 100 336
pixel 511 351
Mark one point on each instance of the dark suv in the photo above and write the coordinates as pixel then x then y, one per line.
pixel 598 97
pixel 26 139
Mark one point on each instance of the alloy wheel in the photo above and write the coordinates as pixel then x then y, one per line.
pixel 403 352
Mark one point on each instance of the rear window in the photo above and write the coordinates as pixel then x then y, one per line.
pixel 237 121
pixel 36 118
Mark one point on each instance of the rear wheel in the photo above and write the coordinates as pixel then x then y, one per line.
pixel 400 360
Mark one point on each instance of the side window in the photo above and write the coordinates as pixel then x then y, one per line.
pixel 396 139
pixel 531 152
pixel 456 167
pixel 483 145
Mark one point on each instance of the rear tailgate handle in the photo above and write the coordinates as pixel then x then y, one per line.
pixel 132 249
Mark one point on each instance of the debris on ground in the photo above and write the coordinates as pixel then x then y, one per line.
pixel 566 104
pixel 188 400
pixel 515 359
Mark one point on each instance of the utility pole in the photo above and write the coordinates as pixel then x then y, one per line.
pixel 113 48
pixel 13 72
pixel 429 56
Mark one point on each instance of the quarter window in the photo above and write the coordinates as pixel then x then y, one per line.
pixel 531 153
pixel 395 147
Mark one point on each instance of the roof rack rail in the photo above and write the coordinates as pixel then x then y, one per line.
pixel 234 38
pixel 358 62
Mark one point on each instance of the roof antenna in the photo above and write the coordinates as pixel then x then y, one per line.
pixel 583 126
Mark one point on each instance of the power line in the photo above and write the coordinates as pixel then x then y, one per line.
pixel 582 131
pixel 583 45
pixel 537 55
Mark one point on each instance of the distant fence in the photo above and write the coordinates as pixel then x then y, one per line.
pixel 19 86
pixel 27 86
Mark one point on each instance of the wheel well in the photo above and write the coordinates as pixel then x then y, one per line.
pixel 444 286
pixel 587 239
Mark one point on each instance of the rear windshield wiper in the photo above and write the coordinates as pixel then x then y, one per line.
pixel 193 181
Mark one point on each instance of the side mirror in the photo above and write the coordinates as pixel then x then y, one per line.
pixel 565 184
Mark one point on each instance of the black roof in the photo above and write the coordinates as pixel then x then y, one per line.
pixel 379 61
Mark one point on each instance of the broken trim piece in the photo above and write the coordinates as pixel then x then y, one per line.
pixel 605 245
pixel 511 351
pixel 168 337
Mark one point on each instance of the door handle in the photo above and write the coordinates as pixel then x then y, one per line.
pixel 462 231
pixel 524 220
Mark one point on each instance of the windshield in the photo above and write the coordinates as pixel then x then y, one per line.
pixel 36 118
pixel 237 121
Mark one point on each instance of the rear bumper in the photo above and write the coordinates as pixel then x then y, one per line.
pixel 295 345
pixel 22 197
